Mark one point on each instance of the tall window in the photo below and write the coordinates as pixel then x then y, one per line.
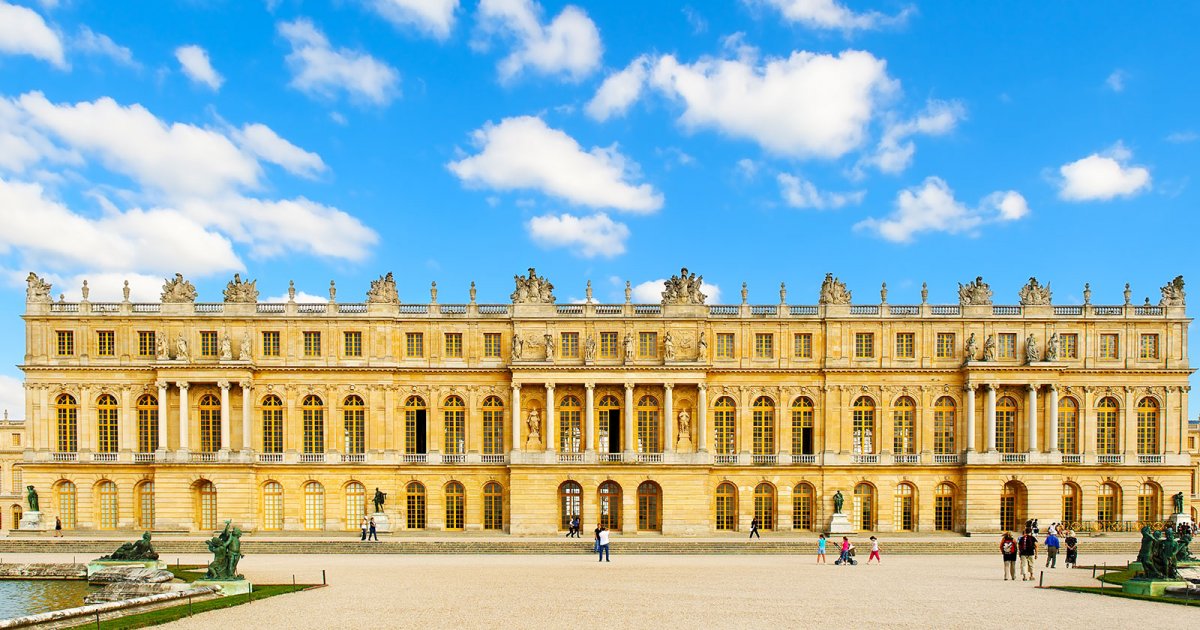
pixel 144 502
pixel 272 427
pixel 944 348
pixel 648 345
pixel 314 506
pixel 454 505
pixel 1068 345
pixel 649 507
pixel 312 343
pixel 1068 425
pixel 453 347
pixel 1006 345
pixel 608 345
pixel 414 345
pixel 1107 411
pixel 568 347
pixel 352 343
pixel 210 424
pixel 906 345
pixel 763 426
pixel 67 415
pixel 354 420
pixel 1149 502
pixel 1108 502
pixel 106 343
pixel 272 499
pixel 454 423
pixel 569 432
pixel 493 506
pixel 1011 499
pixel 414 503
pixel 147 423
pixel 65 343
pixel 356 504
pixel 943 426
pixel 108 504
pixel 610 505
pixel 802 426
pixel 906 508
pixel 1071 501
pixel 943 508
pixel 106 423
pixel 270 343
pixel 764 346
pixel 1148 348
pixel 313 417
pixel 802 507
pixel 493 426
pixel 146 344
pixel 570 503
pixel 64 494
pixel 864 345
pixel 904 439
pixel 764 505
pixel 647 425
pixel 1147 427
pixel 864 507
pixel 864 426
pixel 802 345
pixel 726 507
pixel 208 343
pixel 491 345
pixel 414 421
pixel 1006 425
pixel 206 505
pixel 724 417
pixel 725 346
pixel 1110 346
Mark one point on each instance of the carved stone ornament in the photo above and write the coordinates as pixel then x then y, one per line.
pixel 37 291
pixel 1034 294
pixel 178 291
pixel 383 290
pixel 683 289
pixel 833 291
pixel 975 292
pixel 532 289
pixel 241 291
pixel 1172 293
pixel 1031 350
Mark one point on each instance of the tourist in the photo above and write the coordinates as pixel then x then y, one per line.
pixel 754 528
pixel 57 527
pixel 1051 550
pixel 373 533
pixel 575 525
pixel 1036 531
pixel 1072 549
pixel 603 540
pixel 874 552
pixel 596 538
pixel 821 549
pixel 363 526
pixel 1027 549
pixel 844 557
pixel 1008 550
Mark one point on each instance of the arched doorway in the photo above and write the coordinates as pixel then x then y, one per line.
pixel 802 507
pixel 1108 503
pixel 570 504
pixel 1149 503
pixel 1012 507
pixel 205 505
pixel 905 517
pixel 272 506
pixel 943 508
pixel 608 421
pixel 414 503
pixel 726 507
pixel 764 505
pixel 610 505
pixel 455 505
pixel 493 506
pixel 649 507
pixel 1072 499
pixel 864 507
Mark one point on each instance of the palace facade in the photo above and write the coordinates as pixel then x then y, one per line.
pixel 677 417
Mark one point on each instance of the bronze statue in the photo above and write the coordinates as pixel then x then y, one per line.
pixel 1177 499
pixel 32 497
pixel 838 501
pixel 227 552
pixel 140 549
pixel 378 500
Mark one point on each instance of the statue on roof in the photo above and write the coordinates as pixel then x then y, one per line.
pixel 974 293
pixel 1034 294
pixel 383 290
pixel 1172 293
pixel 833 291
pixel 241 291
pixel 178 291
pixel 683 289
pixel 532 289
pixel 37 290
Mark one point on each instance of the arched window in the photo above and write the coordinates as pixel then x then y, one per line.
pixel 314 506
pixel 454 423
pixel 493 506
pixel 943 426
pixel 1072 500
pixel 143 500
pixel 1149 503
pixel 1108 503
pixel 210 424
pixel 864 507
pixel 356 504
pixel 313 414
pixel 493 426
pixel 864 426
pixel 943 508
pixel 764 505
pixel 904 438
pixel 17 513
pixel 647 426
pixel 724 420
pixel 206 505
pixel 905 518
pixel 1107 411
pixel 108 506
pixel 272 502
pixel 67 414
pixel 608 429
pixel 802 507
pixel 802 426
pixel 570 435
pixel 649 507
pixel 727 513
pixel 1012 506
pixel 414 425
pixel 64 495
pixel 610 505
pixel 1068 425
pixel 414 501
pixel 106 423
pixel 454 506
pixel 1147 427
pixel 272 427
pixel 763 426
pixel 570 504
pixel 147 424
pixel 1006 425
pixel 354 421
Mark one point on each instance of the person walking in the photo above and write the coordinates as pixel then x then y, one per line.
pixel 372 533
pixel 874 552
pixel 1027 549
pixel 754 528
pixel 603 552
pixel 363 526
pixel 1008 551
pixel 57 527
pixel 844 558
pixel 596 538
pixel 821 549
pixel 1051 550
pixel 575 525
pixel 1072 549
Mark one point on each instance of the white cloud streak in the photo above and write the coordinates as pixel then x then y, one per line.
pixel 320 70
pixel 587 237
pixel 931 207
pixel 24 32
pixel 1103 176
pixel 568 46
pixel 801 193
pixel 831 15
pixel 434 17
pixel 102 45
pixel 196 65
pixel 619 91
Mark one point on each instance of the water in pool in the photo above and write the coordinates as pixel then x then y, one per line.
pixel 28 597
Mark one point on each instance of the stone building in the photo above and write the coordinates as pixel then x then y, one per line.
pixel 677 417
pixel 12 486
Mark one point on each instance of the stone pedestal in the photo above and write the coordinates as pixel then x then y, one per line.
pixel 32 521
pixel 684 444
pixel 1175 519
pixel 841 524
pixel 534 443
pixel 382 526
pixel 1141 586
pixel 228 587
pixel 97 565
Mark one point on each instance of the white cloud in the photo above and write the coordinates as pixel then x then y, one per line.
pixel 24 32
pixel 435 17
pixel 23 146
pixel 262 141
pixel 12 398
pixel 106 286
pixel 1182 137
pixel 619 90
pixel 1116 80
pixel 318 69
pixel 568 46
pixel 895 149
pixel 103 45
pixel 1102 176
pixel 195 64
pixel 650 292
pixel 931 207
pixel 746 168
pixel 805 105
pixel 831 15
pixel 801 193
pixel 597 235
pixel 302 297
pixel 524 153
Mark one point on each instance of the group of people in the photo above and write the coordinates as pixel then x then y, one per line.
pixel 367 525
pixel 846 551
pixel 1025 549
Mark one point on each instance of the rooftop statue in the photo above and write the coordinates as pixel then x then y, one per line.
pixel 976 292
pixel 383 290
pixel 241 291
pixel 37 291
pixel 1034 294
pixel 140 549
pixel 1172 293
pixel 532 289
pixel 178 291
pixel 683 289
pixel 833 291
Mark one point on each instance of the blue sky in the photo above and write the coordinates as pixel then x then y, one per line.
pixel 754 141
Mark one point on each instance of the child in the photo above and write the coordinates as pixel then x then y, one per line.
pixel 874 551
pixel 821 549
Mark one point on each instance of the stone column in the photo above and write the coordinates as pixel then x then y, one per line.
pixel 247 409
pixel 1052 414
pixel 551 421
pixel 668 419
pixel 989 411
pixel 162 415
pixel 630 436
pixel 128 423
pixel 183 415
pixel 1031 402
pixel 516 418
pixel 702 417
pixel 969 395
pixel 225 429
pixel 589 416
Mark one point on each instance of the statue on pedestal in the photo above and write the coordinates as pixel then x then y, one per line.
pixel 838 501
pixel 971 347
pixel 1052 347
pixel 31 496
pixel 989 348
pixel 181 348
pixel 589 349
pixel 628 347
pixel 140 549
pixel 244 351
pixel 226 548
pixel 1031 349
pixel 378 500
pixel 518 346
pixel 226 348
pixel 1176 499
pixel 669 347
pixel 534 425
pixel 37 290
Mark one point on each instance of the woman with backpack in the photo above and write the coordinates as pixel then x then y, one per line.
pixel 1008 550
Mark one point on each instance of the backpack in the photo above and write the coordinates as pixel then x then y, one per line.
pixel 1008 547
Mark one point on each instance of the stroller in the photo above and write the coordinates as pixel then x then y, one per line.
pixel 847 558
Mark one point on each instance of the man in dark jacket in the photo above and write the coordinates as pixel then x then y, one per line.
pixel 1027 548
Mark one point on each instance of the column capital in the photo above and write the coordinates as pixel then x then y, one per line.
pixel 589 386
pixel 969 387
pixel 181 384
pixel 990 387
pixel 1053 387
pixel 1032 387
pixel 629 386
pixel 162 384
pixel 516 387
pixel 702 386
pixel 550 385
pixel 668 386
pixel 224 385
pixel 246 384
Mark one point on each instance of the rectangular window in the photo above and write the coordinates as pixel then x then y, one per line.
pixel 312 343
pixel 725 346
pixel 1069 348
pixel 16 441
pixel 66 343
pixel 491 345
pixel 106 343
pixel 453 346
pixel 1006 345
pixel 352 340
pixel 568 346
pixel 608 345
pixel 1148 349
pixel 1109 346
pixel 270 343
pixel 648 345
pixel 802 345
pixel 906 345
pixel 146 343
pixel 208 343
pixel 414 345
pixel 945 346
pixel 864 345
pixel 764 345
